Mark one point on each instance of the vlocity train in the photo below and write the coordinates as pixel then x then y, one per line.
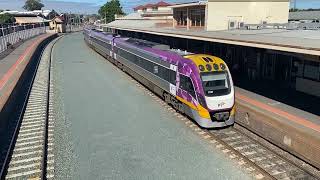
pixel 197 85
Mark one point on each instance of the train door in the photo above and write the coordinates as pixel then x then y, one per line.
pixel 173 77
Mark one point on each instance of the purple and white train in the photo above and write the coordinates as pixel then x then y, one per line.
pixel 197 85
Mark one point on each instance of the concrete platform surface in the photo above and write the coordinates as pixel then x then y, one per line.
pixel 292 129
pixel 13 65
pixel 109 128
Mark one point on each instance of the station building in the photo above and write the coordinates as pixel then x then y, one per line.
pixel 158 7
pixel 213 15
pixel 268 59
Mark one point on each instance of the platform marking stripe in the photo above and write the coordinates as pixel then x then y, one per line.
pixel 9 73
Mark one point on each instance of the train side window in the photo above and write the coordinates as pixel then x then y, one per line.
pixel 186 84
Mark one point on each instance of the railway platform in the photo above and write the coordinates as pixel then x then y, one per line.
pixel 290 128
pixel 12 65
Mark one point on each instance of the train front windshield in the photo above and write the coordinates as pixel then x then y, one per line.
pixel 216 83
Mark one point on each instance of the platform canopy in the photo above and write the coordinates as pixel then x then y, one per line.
pixel 30 20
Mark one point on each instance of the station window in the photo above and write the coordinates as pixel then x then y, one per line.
pixel 186 84
pixel 311 70
pixel 181 17
pixel 197 17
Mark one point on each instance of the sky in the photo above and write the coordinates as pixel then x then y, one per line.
pixel 92 6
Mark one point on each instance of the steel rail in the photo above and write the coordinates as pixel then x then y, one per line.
pixel 20 118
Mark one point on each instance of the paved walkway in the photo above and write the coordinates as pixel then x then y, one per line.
pixel 108 128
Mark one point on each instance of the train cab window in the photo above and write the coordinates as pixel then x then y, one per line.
pixel 216 83
pixel 186 84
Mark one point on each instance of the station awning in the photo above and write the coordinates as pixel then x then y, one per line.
pixel 30 20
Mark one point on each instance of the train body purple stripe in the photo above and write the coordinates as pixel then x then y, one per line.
pixel 185 66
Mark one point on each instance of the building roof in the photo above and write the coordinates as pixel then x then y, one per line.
pixel 131 16
pixel 30 20
pixel 139 22
pixel 138 7
pixel 35 12
pixel 148 15
pixel 58 19
pixel 195 3
pixel 298 41
pixel 162 4
pixel 304 15
pixel 149 5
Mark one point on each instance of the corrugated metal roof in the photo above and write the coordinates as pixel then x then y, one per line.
pixel 300 41
pixel 304 15
pixel 137 23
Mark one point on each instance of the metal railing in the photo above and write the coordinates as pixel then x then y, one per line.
pixel 74 27
pixel 11 35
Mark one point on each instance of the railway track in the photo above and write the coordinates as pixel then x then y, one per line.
pixel 254 152
pixel 254 157
pixel 30 152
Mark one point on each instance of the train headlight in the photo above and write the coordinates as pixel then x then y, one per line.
pixel 216 67
pixel 201 68
pixel 222 66
pixel 209 67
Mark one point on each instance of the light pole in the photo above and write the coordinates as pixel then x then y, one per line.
pixel 43 20
pixel 105 17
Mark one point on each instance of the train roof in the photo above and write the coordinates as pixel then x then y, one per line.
pixel 173 56
pixel 205 59
pixel 158 46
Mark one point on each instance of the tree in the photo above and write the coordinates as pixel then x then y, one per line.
pixel 6 18
pixel 108 10
pixel 31 5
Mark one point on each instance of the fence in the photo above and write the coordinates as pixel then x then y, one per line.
pixel 74 27
pixel 13 34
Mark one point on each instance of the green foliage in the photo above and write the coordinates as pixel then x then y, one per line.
pixel 310 9
pixel 31 5
pixel 293 10
pixel 6 18
pixel 108 10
